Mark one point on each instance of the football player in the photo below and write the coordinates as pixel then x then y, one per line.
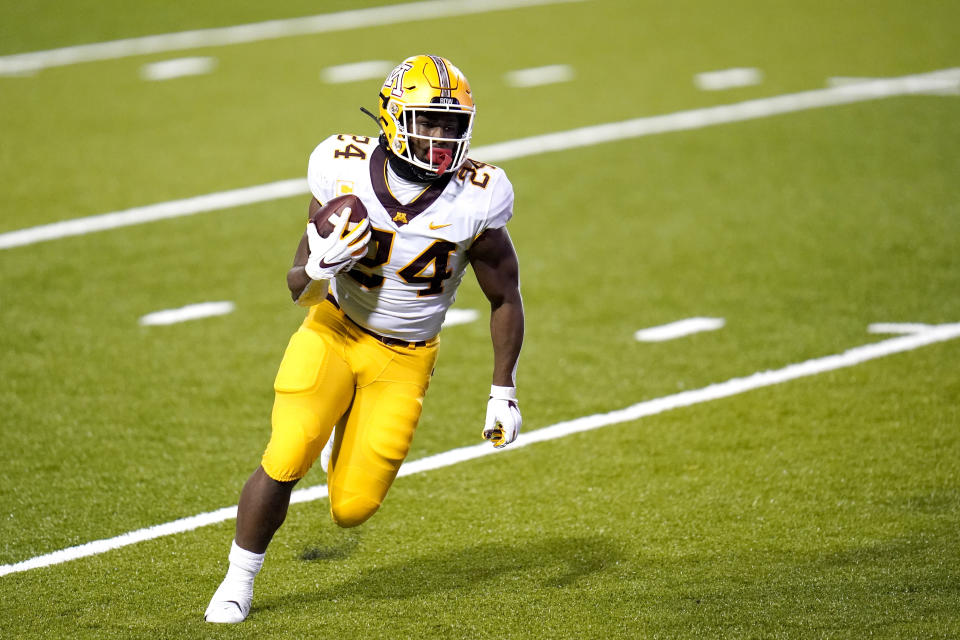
pixel 359 365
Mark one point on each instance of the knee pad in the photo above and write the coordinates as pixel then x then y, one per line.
pixel 352 511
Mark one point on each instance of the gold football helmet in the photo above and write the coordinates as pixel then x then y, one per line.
pixel 427 85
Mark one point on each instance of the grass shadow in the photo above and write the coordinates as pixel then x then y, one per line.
pixel 341 550
pixel 555 562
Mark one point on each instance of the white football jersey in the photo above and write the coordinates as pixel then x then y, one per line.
pixel 416 258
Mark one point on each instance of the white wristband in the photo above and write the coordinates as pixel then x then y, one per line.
pixel 503 393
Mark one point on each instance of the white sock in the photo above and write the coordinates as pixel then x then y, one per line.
pixel 244 565
pixel 231 602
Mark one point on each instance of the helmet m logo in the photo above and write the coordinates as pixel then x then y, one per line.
pixel 395 80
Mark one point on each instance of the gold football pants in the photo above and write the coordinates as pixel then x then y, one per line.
pixel 334 374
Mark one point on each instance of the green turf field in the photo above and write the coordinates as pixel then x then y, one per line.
pixel 822 507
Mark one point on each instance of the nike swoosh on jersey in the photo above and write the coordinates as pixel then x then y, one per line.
pixel 439 226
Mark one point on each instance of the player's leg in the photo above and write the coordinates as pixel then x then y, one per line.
pixel 376 437
pixel 314 388
pixel 374 443
pixel 262 509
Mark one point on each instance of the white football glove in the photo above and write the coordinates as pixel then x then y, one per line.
pixel 338 251
pixel 503 416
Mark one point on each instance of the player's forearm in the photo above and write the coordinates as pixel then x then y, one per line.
pixel 506 332
pixel 297 281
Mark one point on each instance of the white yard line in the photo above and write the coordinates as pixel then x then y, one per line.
pixel 727 79
pixel 946 87
pixel 177 68
pixel 24 63
pixel 711 116
pixel 355 71
pixel 583 137
pixel 152 212
pixel 732 387
pixel 539 76
pixel 898 327
pixel 460 316
pixel 678 329
pixel 189 312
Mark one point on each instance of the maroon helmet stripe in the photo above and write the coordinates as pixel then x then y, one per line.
pixel 443 75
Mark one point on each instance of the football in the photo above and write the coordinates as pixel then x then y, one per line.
pixel 321 217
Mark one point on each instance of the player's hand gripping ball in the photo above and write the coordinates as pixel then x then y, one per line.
pixel 338 234
pixel 335 207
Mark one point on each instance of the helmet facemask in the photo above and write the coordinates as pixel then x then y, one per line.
pixel 427 88
pixel 440 153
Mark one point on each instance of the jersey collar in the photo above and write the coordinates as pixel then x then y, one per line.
pixel 401 214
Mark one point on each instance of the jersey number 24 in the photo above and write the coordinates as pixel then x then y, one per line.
pixel 437 254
